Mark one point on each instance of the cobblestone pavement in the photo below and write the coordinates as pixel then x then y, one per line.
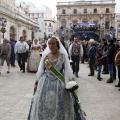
pixel 100 100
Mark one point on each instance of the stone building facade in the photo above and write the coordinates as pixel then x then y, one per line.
pixel 117 26
pixel 18 24
pixel 101 12
pixel 47 24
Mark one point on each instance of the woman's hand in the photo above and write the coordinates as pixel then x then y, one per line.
pixel 35 88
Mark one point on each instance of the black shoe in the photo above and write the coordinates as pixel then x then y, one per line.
pixel 21 69
pixel 110 80
pixel 105 73
pixel 114 78
pixel 119 89
pixel 0 73
pixel 77 76
pixel 117 85
pixel 8 72
pixel 98 78
pixel 90 75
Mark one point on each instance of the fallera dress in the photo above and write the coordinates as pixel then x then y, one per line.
pixel 34 59
pixel 51 101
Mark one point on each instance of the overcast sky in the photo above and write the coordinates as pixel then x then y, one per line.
pixel 52 4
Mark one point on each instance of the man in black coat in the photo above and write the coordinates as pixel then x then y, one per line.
pixel 110 59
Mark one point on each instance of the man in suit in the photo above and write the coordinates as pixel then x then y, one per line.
pixel 5 52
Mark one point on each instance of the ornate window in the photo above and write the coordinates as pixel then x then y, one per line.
pixel 75 11
pixel 95 10
pixel 107 10
pixel 63 11
pixel 85 10
pixel 49 24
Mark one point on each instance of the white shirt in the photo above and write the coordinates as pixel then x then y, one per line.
pixel 21 47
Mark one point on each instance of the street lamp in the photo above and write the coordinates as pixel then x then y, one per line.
pixel 3 23
pixel 32 35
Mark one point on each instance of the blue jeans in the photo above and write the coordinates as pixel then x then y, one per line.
pixel 110 68
pixel 99 69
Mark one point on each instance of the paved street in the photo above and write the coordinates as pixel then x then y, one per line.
pixel 101 101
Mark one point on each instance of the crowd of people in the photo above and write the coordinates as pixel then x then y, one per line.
pixel 60 60
pixel 22 51
pixel 105 58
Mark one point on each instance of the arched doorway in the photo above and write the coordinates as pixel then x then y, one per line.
pixel 12 34
pixel 24 34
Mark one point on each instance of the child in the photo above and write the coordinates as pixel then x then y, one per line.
pixel 99 61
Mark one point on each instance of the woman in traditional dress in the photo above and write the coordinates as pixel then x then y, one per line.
pixel 51 101
pixel 34 59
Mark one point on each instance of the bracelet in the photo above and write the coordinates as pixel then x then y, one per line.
pixel 36 83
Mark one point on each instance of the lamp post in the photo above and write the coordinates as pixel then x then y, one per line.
pixel 32 35
pixel 3 23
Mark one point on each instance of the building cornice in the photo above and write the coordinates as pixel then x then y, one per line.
pixel 82 14
pixel 85 2
pixel 16 15
pixel 86 5
pixel 50 20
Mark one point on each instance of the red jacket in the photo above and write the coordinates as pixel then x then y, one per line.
pixel 98 59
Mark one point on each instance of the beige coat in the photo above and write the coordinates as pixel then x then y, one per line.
pixel 8 50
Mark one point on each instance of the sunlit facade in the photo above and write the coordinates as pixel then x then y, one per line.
pixel 101 12
pixel 18 24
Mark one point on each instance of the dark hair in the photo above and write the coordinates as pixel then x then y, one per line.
pixel 114 39
pixel 111 41
pixel 62 37
pixel 105 43
pixel 75 37
pixel 21 37
pixel 57 42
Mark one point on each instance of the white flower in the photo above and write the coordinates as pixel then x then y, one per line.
pixel 70 61
pixel 71 84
